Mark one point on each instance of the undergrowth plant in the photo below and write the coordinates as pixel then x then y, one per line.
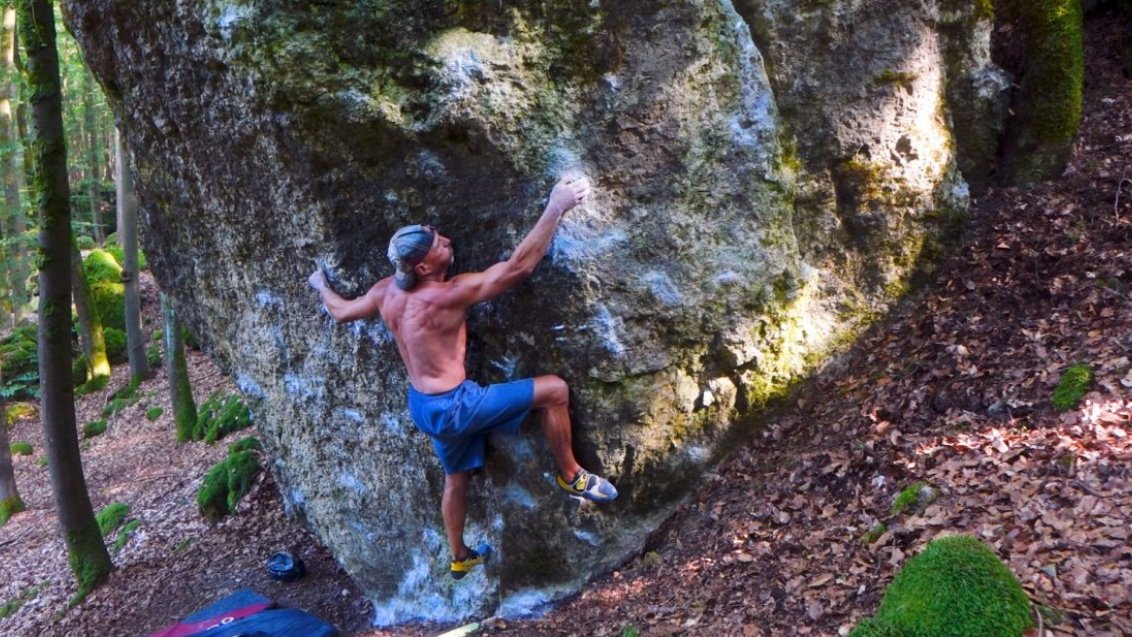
pixel 956 586
pixel 19 359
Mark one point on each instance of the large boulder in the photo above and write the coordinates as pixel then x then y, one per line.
pixel 742 227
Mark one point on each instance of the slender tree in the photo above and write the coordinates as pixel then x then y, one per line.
pixel 128 238
pixel 180 390
pixel 89 558
pixel 11 168
pixel 90 123
pixel 10 501
pixel 7 303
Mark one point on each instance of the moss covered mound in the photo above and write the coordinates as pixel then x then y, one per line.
pixel 957 587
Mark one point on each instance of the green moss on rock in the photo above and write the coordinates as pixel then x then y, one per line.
pixel 219 416
pixel 107 292
pixel 226 483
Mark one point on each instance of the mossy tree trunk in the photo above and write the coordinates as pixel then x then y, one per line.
pixel 90 323
pixel 1047 104
pixel 10 501
pixel 128 238
pixel 180 390
pixel 88 556
pixel 10 167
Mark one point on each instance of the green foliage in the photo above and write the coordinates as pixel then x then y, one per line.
pixel 111 517
pixel 250 443
pixel 124 535
pixel 21 448
pixel 94 428
pixel 153 413
pixel 226 482
pixel 107 292
pixel 19 411
pixel 19 356
pixel 914 497
pixel 10 507
pixel 630 631
pixel 1072 387
pixel 219 416
pixel 115 345
pixel 84 242
pixel 956 586
pixel 11 606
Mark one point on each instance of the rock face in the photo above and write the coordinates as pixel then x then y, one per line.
pixel 768 176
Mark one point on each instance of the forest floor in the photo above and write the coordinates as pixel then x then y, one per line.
pixel 953 389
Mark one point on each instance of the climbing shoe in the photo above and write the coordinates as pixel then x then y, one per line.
pixel 475 557
pixel 589 486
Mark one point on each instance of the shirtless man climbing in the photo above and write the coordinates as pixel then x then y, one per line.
pixel 426 311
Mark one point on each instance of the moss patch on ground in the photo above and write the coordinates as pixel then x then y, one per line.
pixel 1071 388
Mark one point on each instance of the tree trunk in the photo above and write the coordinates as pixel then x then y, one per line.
pixel 92 155
pixel 7 303
pixel 90 323
pixel 180 390
pixel 11 169
pixel 10 501
pixel 89 559
pixel 128 238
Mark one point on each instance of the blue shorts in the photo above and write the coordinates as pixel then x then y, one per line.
pixel 459 419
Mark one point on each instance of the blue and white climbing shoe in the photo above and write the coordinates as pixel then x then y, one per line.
pixel 589 486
